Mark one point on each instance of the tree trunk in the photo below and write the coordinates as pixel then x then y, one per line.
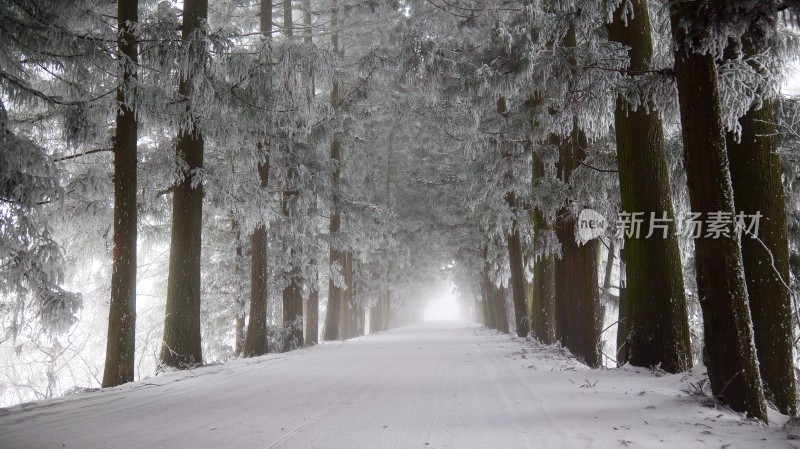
pixel 477 311
pixel 517 276
pixel 293 312
pixel 387 310
pixel 293 292
pixel 312 303
pixel 732 364
pixel 515 250
pixel 543 306
pixel 361 312
pixel 334 292
pixel 756 178
pixel 489 308
pixel 357 309
pixel 500 314
pixel 120 346
pixel 255 342
pixel 580 314
pixel 312 313
pixel 182 347
pixel 578 311
pixel 238 331
pixel 344 304
pixel 375 316
pixel 658 325
pixel 622 327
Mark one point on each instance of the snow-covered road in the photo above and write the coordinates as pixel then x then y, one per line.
pixel 433 385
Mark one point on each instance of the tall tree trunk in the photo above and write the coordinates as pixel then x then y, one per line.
pixel 386 297
pixel 515 249
pixel 731 361
pixel 518 283
pixel 375 316
pixel 543 308
pixel 312 313
pixel 658 324
pixel 182 347
pixel 361 312
pixel 477 310
pixel 622 318
pixel 501 316
pixel 487 295
pixel 356 308
pixel 312 302
pixel 348 311
pixel 255 342
pixel 344 305
pixel 334 292
pixel 238 331
pixel 293 311
pixel 293 292
pixel 543 291
pixel 756 178
pixel 120 346
pixel 578 309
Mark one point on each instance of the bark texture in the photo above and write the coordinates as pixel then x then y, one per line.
pixel 120 346
pixel 336 258
pixel 757 189
pixel 181 346
pixel 312 314
pixel 543 307
pixel 657 323
pixel 731 361
pixel 255 342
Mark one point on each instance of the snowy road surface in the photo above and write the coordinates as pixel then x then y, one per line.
pixel 433 385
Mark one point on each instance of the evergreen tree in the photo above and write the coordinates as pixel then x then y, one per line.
pixel 657 328
pixel 756 180
pixel 182 346
pixel 731 361
pixel 120 350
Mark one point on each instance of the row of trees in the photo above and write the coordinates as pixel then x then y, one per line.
pixel 259 115
pixel 374 148
pixel 722 78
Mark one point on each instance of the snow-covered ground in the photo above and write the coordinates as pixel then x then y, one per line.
pixel 433 385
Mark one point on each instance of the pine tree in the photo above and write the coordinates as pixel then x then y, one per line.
pixel 578 307
pixel 255 342
pixel 182 346
pixel 120 349
pixel 332 316
pixel 731 360
pixel 657 327
pixel 543 305
pixel 757 189
pixel 293 292
pixel 312 302
pixel 515 251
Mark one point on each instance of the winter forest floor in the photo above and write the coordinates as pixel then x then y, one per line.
pixel 432 385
